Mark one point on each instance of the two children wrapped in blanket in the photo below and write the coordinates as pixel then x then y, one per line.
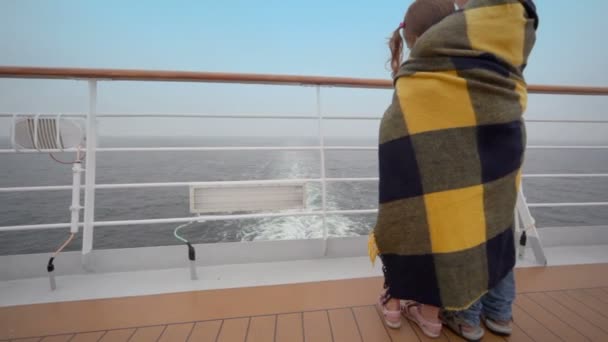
pixel 450 155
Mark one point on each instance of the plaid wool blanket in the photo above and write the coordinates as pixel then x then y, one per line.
pixel 451 150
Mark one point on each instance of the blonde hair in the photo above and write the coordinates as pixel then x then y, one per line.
pixel 420 16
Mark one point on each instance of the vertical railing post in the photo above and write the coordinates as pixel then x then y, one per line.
pixel 528 227
pixel 89 192
pixel 323 171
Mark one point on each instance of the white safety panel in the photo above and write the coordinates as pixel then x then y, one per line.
pixel 235 198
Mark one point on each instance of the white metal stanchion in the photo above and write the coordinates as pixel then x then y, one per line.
pixel 527 231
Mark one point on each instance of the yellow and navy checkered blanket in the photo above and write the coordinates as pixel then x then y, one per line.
pixel 451 150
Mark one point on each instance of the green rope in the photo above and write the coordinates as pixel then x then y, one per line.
pixel 176 232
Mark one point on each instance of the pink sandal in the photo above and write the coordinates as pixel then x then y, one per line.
pixel 412 311
pixel 391 318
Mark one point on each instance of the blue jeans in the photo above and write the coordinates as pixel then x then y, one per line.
pixel 495 305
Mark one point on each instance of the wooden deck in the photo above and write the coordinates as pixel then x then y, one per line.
pixel 554 304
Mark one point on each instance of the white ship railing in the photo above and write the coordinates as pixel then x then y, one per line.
pixel 93 76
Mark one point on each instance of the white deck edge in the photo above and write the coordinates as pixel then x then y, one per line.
pixel 160 270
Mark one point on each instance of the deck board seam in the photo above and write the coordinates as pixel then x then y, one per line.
pixel 588 293
pixel 576 313
pixel 585 304
pixel 219 331
pixel 556 316
pixel 538 322
pixel 304 329
pixel 132 334
pixel 303 332
pixel 523 331
pixel 162 333
pixel 331 329
pixel 102 336
pixel 190 333
pixel 352 312
pixel 276 323
pixel 247 330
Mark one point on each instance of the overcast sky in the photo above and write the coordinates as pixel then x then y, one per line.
pixel 313 37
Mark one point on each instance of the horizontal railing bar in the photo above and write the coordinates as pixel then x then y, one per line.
pixel 206 116
pixel 273 148
pixel 190 219
pixel 37 188
pixel 191 76
pixel 165 185
pixel 572 204
pixel 565 175
pixel 569 121
pixel 557 147
pixel 209 116
pixel 36 227
pixel 214 77
pixel 251 216
pixel 568 147
pixel 180 149
pixel 256 182
pixel 270 116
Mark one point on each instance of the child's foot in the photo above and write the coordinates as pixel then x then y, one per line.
pixel 498 327
pixel 391 311
pixel 413 311
pixel 460 328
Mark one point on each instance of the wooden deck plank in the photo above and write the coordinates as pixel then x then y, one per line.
pixel 234 330
pixel 587 329
pixel 122 335
pixel 176 332
pixel 316 327
pixel 62 338
pixel 370 326
pixel 35 339
pixel 262 329
pixel 587 287
pixel 289 328
pixel 489 337
pixel 205 331
pixel 581 310
pixel 88 337
pixel 560 278
pixel 91 315
pixel 343 326
pixel 533 328
pixel 593 303
pixel 148 334
pixel 552 322
pixel 518 335
pixel 598 294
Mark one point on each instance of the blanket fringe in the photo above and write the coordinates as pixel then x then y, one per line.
pixel 372 248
